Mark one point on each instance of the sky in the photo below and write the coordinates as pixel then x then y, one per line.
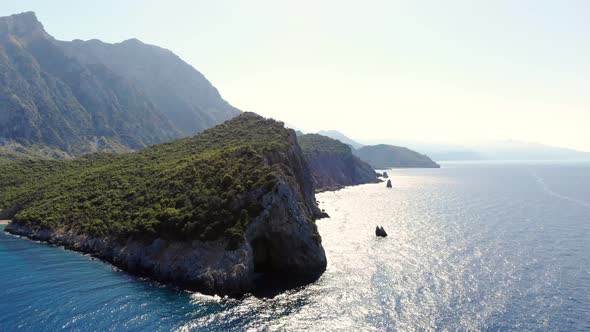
pixel 429 71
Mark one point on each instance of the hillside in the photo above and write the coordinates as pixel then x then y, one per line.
pixel 51 100
pixel 235 201
pixel 390 156
pixel 332 163
pixel 341 137
pixel 177 89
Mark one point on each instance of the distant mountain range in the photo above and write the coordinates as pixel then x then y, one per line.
pixel 501 150
pixel 70 98
pixel 341 137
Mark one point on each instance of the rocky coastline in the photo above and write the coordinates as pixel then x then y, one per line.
pixel 281 242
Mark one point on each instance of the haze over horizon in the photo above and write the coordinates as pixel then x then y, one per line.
pixel 421 71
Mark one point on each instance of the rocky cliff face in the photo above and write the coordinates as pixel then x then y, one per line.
pixel 332 164
pixel 278 236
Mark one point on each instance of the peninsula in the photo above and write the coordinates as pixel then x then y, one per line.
pixel 214 213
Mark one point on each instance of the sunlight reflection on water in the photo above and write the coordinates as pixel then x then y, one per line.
pixel 470 247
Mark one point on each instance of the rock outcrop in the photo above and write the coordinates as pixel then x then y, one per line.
pixel 380 232
pixel 332 164
pixel 389 184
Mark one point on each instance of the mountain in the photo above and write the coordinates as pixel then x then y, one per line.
pixel 341 137
pixel 514 150
pixel 215 212
pixel 384 156
pixel 497 150
pixel 332 163
pixel 51 98
pixel 177 89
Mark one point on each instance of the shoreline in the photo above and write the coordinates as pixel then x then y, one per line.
pixel 4 222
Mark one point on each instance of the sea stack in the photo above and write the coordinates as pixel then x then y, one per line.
pixel 389 184
pixel 385 175
pixel 380 232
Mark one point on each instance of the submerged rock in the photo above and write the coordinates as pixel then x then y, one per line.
pixel 389 184
pixel 380 231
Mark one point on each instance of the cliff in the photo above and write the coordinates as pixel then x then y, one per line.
pixel 215 213
pixel 332 164
pixel 384 156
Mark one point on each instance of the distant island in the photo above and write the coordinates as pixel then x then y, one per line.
pixel 214 212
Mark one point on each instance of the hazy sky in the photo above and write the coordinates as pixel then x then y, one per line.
pixel 449 71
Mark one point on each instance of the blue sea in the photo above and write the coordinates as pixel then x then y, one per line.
pixel 471 246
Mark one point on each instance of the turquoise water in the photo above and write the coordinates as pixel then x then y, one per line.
pixel 470 247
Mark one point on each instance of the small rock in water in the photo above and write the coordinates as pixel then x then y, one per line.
pixel 389 184
pixel 380 232
pixel 385 175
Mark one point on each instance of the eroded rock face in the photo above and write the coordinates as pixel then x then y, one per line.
pixel 283 240
pixel 333 171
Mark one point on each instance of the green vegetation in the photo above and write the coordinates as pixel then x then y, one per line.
pixel 311 143
pixel 17 152
pixel 205 187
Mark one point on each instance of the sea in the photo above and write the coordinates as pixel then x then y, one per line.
pixel 501 246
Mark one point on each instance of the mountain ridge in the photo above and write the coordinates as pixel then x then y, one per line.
pixel 337 135
pixel 50 98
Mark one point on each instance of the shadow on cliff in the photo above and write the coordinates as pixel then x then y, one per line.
pixel 269 285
